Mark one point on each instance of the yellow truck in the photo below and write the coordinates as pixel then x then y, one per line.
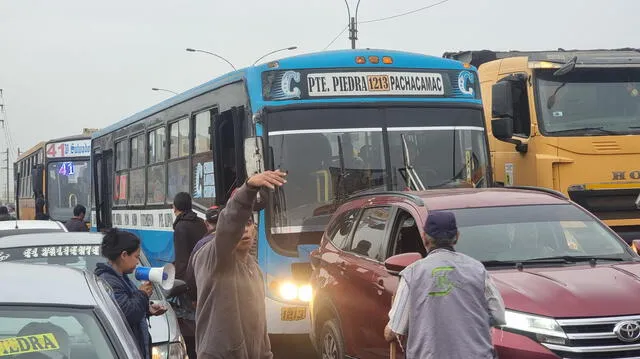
pixel 568 120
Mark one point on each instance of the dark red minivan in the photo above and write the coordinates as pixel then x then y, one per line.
pixel 571 286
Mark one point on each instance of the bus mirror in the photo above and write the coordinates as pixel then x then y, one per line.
pixel 253 155
pixel 37 179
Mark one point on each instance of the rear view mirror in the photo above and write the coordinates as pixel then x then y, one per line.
pixel 504 101
pixel 502 104
pixel 253 155
pixel 502 128
pixel 397 263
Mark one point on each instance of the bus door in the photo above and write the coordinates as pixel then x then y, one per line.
pixel 103 190
pixel 228 152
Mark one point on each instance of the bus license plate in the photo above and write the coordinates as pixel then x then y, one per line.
pixel 291 314
pixel 378 82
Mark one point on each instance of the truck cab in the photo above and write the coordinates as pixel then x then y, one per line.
pixel 569 121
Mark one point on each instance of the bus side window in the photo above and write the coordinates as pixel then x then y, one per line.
pixel 204 183
pixel 156 184
pixel 178 164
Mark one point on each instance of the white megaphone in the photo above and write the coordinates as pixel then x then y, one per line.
pixel 161 275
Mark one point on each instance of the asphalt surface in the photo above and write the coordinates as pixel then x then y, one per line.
pixel 296 347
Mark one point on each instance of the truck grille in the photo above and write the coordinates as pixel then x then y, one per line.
pixel 595 338
pixel 608 204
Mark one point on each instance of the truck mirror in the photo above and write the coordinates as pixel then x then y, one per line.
pixel 502 128
pixel 502 104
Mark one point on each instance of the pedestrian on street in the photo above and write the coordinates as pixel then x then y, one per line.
pixel 76 223
pixel 188 229
pixel 446 302
pixel 230 316
pixel 4 214
pixel 186 309
pixel 40 214
pixel 122 250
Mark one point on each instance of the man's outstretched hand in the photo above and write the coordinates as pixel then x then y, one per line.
pixel 269 179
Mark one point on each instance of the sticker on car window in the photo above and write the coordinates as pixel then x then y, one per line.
pixel 28 344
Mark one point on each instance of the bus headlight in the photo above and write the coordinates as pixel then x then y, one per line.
pixel 291 291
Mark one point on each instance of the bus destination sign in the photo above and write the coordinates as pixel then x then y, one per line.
pixel 297 85
pixel 77 148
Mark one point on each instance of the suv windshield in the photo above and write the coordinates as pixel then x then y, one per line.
pixel 83 257
pixel 589 101
pixel 519 233
pixel 68 184
pixel 331 154
pixel 52 333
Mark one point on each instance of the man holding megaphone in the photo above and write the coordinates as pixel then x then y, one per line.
pixel 230 315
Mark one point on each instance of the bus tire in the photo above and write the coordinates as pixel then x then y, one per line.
pixel 331 343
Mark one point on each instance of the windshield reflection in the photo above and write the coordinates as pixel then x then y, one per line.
pixel 68 184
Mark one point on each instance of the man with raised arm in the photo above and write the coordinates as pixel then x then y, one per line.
pixel 230 315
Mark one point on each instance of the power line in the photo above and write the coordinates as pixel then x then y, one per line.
pixel 336 38
pixel 404 13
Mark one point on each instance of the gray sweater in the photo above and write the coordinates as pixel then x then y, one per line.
pixel 230 316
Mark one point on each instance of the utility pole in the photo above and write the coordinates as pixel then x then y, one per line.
pixel 353 32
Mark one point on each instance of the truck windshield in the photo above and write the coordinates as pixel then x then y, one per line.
pixel 331 154
pixel 68 184
pixel 589 102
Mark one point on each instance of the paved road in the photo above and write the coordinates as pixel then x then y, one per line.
pixel 287 348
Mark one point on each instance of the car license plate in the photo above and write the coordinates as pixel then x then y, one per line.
pixel 291 314
pixel 378 82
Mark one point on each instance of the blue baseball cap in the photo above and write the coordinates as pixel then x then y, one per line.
pixel 441 225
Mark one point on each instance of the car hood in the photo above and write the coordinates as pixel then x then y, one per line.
pixel 575 291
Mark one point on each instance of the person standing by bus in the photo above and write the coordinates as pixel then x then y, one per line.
pixel 76 223
pixel 231 317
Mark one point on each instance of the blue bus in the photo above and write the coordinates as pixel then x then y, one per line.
pixel 339 122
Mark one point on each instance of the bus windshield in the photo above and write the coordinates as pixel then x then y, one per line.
pixel 68 184
pixel 595 101
pixel 331 154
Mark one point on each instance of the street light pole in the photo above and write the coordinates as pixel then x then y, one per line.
pixel 212 54
pixel 159 89
pixel 353 24
pixel 273 52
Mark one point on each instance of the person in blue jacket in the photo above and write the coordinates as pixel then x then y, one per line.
pixel 122 250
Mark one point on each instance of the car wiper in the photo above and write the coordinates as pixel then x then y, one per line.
pixel 600 129
pixel 496 263
pixel 574 259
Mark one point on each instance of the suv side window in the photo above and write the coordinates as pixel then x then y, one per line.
pixel 370 231
pixel 406 237
pixel 339 233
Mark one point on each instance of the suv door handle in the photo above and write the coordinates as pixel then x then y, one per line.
pixel 342 265
pixel 380 285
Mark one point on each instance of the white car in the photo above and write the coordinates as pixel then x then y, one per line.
pixel 9 228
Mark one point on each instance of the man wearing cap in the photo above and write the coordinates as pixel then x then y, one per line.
pixel 230 314
pixel 446 302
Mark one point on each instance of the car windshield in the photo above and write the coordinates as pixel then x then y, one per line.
pixel 331 154
pixel 520 233
pixel 589 101
pixel 68 184
pixel 83 257
pixel 52 332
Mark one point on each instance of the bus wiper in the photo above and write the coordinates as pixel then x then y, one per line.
pixel 600 129
pixel 412 175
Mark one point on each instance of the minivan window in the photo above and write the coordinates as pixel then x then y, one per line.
pixel 369 234
pixel 520 233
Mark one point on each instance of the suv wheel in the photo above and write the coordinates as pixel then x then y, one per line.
pixel 331 343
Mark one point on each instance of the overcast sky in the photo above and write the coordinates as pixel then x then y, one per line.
pixel 70 64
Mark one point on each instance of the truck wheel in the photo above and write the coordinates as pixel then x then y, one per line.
pixel 331 343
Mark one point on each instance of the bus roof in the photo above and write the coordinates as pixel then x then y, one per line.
pixel 317 60
pixel 594 56
pixel 86 135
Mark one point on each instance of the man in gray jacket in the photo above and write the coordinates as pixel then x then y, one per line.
pixel 446 302
pixel 230 314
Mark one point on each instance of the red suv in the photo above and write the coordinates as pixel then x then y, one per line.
pixel 571 286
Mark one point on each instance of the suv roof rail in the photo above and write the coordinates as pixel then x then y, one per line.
pixel 541 189
pixel 412 197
